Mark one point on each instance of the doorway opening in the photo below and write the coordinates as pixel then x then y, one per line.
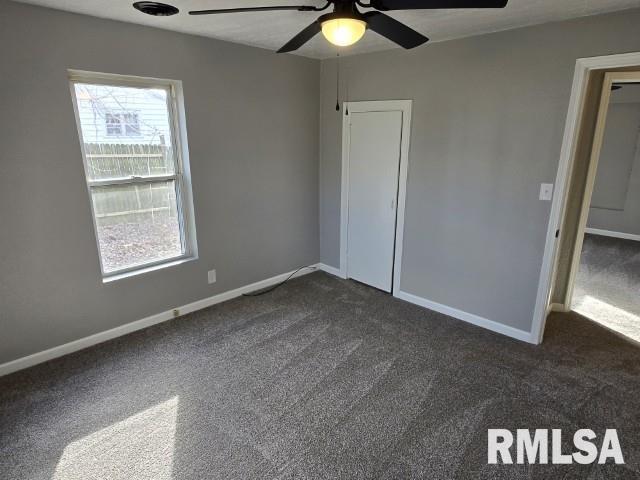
pixel 606 284
pixel 596 257
pixel 375 154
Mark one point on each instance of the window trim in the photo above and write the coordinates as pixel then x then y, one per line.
pixel 181 175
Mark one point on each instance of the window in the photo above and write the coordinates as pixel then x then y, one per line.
pixel 130 134
pixel 131 125
pixel 112 122
pixel 122 124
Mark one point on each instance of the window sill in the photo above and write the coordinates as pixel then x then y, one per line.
pixel 152 268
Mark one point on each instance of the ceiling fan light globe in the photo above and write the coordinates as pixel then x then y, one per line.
pixel 343 31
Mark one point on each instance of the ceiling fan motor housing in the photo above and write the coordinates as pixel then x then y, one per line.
pixel 334 15
pixel 344 9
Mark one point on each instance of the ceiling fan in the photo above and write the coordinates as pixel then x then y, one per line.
pixel 345 25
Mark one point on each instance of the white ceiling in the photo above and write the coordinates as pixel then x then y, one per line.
pixel 271 30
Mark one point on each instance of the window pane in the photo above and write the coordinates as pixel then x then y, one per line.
pixel 126 131
pixel 112 122
pixel 131 124
pixel 137 224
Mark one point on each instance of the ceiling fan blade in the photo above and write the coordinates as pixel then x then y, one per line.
pixel 303 37
pixel 394 30
pixel 435 4
pixel 300 8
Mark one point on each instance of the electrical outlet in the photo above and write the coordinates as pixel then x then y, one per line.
pixel 176 313
pixel 211 276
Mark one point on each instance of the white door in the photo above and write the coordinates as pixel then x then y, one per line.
pixel 374 161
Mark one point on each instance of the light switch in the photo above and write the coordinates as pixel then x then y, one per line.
pixel 546 191
pixel 211 276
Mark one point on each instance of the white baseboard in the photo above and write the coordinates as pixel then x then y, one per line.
pixel 468 317
pixel 559 307
pixel 74 346
pixel 330 270
pixel 610 233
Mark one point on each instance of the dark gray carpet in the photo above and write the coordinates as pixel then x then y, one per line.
pixel 607 286
pixel 322 378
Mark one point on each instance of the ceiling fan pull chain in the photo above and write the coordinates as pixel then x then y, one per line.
pixel 346 93
pixel 338 83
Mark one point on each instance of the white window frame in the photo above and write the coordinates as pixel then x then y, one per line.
pixel 181 175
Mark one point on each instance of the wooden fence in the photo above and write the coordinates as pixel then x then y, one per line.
pixel 113 160
pixel 131 203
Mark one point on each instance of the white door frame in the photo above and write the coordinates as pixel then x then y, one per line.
pixel 584 66
pixel 403 106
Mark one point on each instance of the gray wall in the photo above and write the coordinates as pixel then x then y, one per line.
pixel 488 120
pixel 252 120
pixel 615 204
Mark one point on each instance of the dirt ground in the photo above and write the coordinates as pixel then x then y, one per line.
pixel 128 244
